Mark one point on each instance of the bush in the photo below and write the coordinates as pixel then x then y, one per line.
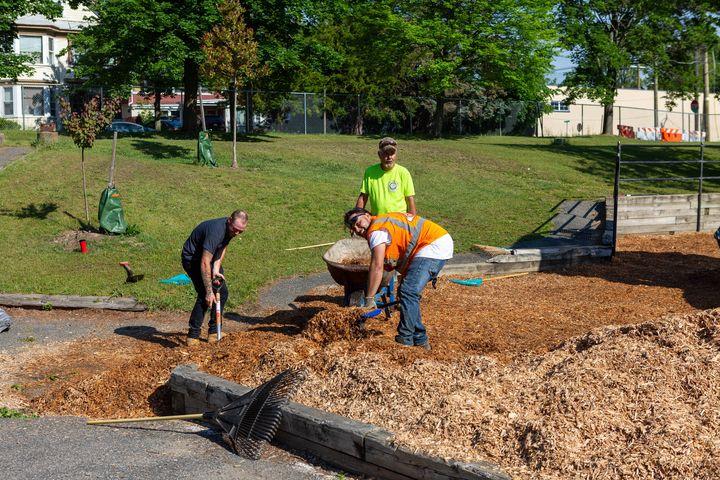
pixel 6 124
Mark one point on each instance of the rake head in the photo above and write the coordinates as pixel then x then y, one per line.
pixel 254 418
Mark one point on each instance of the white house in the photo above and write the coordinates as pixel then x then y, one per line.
pixel 33 99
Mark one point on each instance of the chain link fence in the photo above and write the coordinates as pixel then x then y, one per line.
pixel 308 113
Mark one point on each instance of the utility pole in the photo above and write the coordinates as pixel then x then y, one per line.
pixel 706 95
pixel 655 97
pixel 638 76
pixel 697 94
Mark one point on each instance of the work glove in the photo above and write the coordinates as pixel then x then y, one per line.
pixel 370 302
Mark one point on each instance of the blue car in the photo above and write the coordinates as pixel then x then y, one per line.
pixel 171 124
pixel 128 127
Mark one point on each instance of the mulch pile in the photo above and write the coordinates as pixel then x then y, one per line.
pixel 634 401
pixel 333 325
pixel 514 376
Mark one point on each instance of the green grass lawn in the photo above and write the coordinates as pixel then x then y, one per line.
pixel 490 190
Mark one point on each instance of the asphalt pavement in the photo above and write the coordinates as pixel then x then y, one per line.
pixel 63 448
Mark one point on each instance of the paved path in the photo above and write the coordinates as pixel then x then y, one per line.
pixel 65 448
pixel 8 154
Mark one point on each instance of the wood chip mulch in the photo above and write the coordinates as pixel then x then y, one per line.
pixel 600 371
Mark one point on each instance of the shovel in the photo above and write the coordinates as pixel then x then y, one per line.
pixel 216 284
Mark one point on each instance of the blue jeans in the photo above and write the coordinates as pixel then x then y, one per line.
pixel 411 330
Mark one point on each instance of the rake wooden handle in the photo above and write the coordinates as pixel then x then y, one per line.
pixel 189 416
pixel 310 246
pixel 506 276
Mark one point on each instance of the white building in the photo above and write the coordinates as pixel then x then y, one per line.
pixel 33 99
pixel 633 107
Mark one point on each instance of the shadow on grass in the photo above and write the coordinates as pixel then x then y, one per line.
pixel 38 212
pixel 599 161
pixel 83 225
pixel 162 151
pixel 241 138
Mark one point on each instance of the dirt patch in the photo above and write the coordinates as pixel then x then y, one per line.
pixel 514 376
pixel 70 239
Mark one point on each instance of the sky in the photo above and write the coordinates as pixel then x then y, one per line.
pixel 561 65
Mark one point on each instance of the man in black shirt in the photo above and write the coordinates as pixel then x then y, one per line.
pixel 202 257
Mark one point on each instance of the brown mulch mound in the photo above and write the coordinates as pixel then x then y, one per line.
pixel 335 324
pixel 513 376
pixel 629 402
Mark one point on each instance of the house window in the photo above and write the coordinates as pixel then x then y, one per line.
pixel 7 97
pixel 559 106
pixel 53 101
pixel 31 46
pixel 32 101
pixel 51 51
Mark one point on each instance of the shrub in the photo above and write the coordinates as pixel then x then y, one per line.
pixel 6 124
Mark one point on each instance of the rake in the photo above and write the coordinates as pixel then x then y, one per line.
pixel 248 421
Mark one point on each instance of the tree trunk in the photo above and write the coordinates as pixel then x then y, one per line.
pixel 438 117
pixel 233 123
pixel 607 119
pixel 250 125
pixel 359 120
pixel 158 97
pixel 190 83
pixel 82 167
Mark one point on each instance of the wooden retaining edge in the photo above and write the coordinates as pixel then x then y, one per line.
pixel 350 445
pixel 530 260
pixel 127 304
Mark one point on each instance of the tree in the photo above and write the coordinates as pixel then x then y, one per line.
pixel 125 46
pixel 696 36
pixel 84 127
pixel 606 38
pixel 154 40
pixel 481 48
pixel 13 65
pixel 364 48
pixel 231 55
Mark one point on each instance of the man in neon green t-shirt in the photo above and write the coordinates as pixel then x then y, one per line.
pixel 387 186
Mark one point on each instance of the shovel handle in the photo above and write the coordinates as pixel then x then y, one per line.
pixel 218 316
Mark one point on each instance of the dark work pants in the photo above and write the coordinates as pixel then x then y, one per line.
pixel 198 312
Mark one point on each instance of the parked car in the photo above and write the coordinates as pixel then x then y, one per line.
pixel 214 122
pixel 128 127
pixel 171 124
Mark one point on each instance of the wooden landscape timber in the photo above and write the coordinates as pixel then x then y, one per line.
pixel 126 304
pixel 663 214
pixel 349 444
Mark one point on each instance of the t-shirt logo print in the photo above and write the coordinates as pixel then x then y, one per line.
pixel 393 186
